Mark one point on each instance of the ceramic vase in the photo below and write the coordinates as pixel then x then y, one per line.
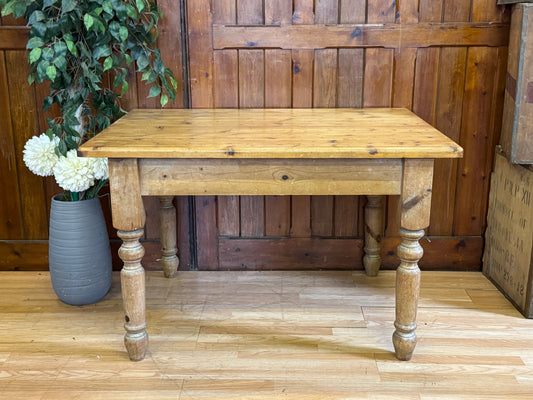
pixel 79 251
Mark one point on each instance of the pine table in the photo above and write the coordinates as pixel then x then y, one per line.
pixel 373 152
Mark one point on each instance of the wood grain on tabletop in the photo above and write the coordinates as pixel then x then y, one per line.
pixel 282 133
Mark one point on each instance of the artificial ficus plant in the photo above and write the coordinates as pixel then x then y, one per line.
pixel 73 44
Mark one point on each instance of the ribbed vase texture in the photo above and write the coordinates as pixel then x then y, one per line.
pixel 79 252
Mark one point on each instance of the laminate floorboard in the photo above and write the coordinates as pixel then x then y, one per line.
pixel 266 335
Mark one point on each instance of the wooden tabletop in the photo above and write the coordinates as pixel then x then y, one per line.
pixel 271 133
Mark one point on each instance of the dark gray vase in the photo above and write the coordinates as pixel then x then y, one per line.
pixel 79 252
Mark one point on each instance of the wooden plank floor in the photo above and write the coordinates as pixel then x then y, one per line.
pixel 258 335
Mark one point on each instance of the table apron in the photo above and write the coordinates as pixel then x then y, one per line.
pixel 165 177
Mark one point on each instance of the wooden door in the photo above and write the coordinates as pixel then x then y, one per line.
pixel 443 59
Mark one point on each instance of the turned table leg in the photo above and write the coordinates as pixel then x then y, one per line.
pixel 167 217
pixel 407 291
pixel 415 203
pixel 373 226
pixel 133 294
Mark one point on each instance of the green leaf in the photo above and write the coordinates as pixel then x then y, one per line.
pixel 51 72
pixel 107 6
pixel 140 5
pixel 31 79
pixel 142 62
pixel 131 11
pixel 159 66
pixel 101 51
pixel 174 83
pixel 123 33
pixel 164 100
pixel 108 63
pixel 62 147
pixel 48 3
pixel 60 48
pixel 48 53
pixel 125 87
pixel 114 29
pixel 68 5
pixel 61 63
pixel 88 20
pixel 36 16
pixel 9 8
pixel 128 60
pixel 72 47
pixel 35 54
pixel 20 9
pixel 34 42
pixel 154 91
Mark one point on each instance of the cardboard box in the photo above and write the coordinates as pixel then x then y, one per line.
pixel 517 125
pixel 508 257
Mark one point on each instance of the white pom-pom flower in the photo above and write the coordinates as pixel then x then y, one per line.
pixel 74 173
pixel 39 154
pixel 101 169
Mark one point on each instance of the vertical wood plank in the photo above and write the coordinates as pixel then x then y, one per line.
pixel 251 94
pixel 249 12
pixel 206 233
pixel 425 89
pixel 350 94
pixel 407 12
pixel 456 11
pixel 346 215
pixel 224 12
pixel 226 78
pixel 277 94
pixel 183 229
pixel 448 120
pixel 302 78
pixel 252 216
pixel 352 12
pixel 378 78
pixel 325 78
pixel 301 216
pixel 251 78
pixel 24 125
pixel 278 215
pixel 200 53
pixel 11 224
pixel 278 12
pixel 303 12
pixel 302 97
pixel 322 216
pixel 431 10
pixel 473 182
pixel 487 11
pixel 381 11
pixel 226 82
pixel 326 11
pixel 228 215
pixel 324 95
pixel 169 41
pixel 350 84
pixel 278 78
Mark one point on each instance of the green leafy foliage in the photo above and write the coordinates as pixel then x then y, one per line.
pixel 76 45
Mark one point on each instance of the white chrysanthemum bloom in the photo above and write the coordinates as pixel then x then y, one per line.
pixel 74 173
pixel 101 170
pixel 39 154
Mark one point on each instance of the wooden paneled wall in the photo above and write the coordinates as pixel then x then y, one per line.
pixel 444 59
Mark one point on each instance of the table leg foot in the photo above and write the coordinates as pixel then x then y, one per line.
pixel 133 293
pixel 136 345
pixel 407 291
pixel 167 217
pixel 373 227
